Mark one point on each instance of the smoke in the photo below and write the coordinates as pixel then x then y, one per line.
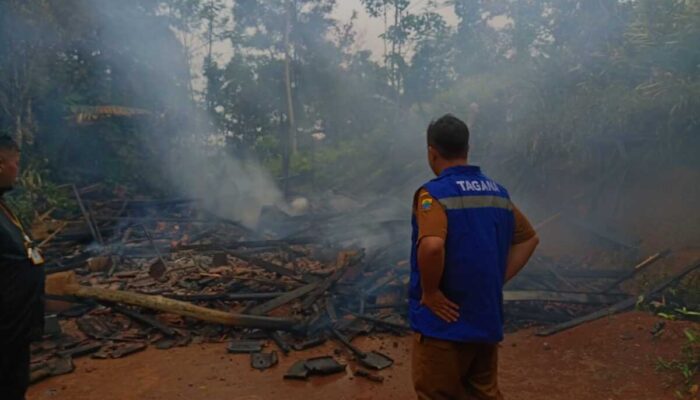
pixel 539 112
pixel 233 188
pixel 185 148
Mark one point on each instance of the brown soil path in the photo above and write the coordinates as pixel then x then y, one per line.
pixel 613 358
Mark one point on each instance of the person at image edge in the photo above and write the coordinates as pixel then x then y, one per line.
pixel 21 286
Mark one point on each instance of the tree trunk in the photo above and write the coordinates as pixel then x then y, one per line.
pixel 288 81
pixel 66 284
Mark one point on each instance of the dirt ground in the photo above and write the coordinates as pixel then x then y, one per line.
pixel 612 358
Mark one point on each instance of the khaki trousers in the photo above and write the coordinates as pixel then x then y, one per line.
pixel 444 370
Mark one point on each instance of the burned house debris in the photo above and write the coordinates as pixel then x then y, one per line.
pixel 126 274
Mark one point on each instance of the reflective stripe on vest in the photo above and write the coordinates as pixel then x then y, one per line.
pixel 477 201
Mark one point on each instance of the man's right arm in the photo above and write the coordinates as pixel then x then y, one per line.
pixel 525 240
pixel 432 231
pixel 518 256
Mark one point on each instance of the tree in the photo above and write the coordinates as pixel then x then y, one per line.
pixel 409 30
pixel 27 33
pixel 431 68
pixel 59 59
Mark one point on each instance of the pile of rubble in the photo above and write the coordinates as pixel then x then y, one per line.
pixel 165 273
pixel 121 260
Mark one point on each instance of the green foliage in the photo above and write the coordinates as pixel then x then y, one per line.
pixel 34 193
pixel 688 364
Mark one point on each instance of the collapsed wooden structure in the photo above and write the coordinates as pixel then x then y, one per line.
pixel 129 273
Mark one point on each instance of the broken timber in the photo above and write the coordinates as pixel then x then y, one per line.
pixel 314 289
pixel 271 267
pixel 225 296
pixel 279 301
pixel 253 244
pixel 650 260
pixel 144 319
pixel 66 284
pixel 86 216
pixel 562 297
pixel 621 306
pixel 380 321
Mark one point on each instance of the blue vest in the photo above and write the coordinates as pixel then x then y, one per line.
pixel 480 226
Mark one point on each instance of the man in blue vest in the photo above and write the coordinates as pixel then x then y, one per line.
pixel 468 240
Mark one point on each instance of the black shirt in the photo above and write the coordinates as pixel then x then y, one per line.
pixel 21 285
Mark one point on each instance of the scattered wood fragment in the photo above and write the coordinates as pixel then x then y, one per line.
pixel 622 305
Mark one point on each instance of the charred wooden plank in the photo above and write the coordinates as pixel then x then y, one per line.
pixel 271 267
pixel 245 346
pixel 562 297
pixel 67 285
pixel 144 319
pixel 125 349
pixel 86 216
pixel 80 351
pixel 309 343
pixel 642 265
pixel 286 298
pixel 95 327
pixel 380 321
pixel 622 305
pixel 225 296
pixel 66 264
pixel 252 244
pixel 281 342
pixel 157 272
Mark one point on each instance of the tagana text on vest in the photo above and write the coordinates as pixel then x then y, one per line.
pixel 480 227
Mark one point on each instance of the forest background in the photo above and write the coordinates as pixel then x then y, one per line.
pixel 589 106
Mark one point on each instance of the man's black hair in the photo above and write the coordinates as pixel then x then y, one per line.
pixel 449 135
pixel 8 143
